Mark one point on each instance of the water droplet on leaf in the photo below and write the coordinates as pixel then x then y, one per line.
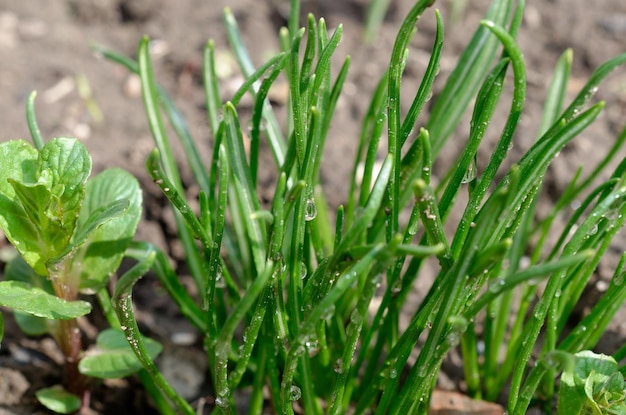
pixel 294 393
pixel 303 270
pixel 329 313
pixel 310 210
pixel 470 174
pixel 356 317
pixel 219 279
pixel 338 366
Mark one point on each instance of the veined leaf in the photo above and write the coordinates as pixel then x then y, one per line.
pixel 66 163
pixel 24 297
pixel 18 161
pixel 19 270
pixel 102 255
pixel 113 357
pixel 59 400
pixel 595 383
pixel 42 193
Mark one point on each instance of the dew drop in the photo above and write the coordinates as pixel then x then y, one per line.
pixel 312 344
pixel 496 285
pixel 470 174
pixel 412 230
pixel 310 210
pixel 329 313
pixel 453 339
pixel 611 215
pixel 294 393
pixel 356 317
pixel 221 402
pixel 303 270
pixel 219 279
pixel 338 366
pixel 221 399
pixel 396 287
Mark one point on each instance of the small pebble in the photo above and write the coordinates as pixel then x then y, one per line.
pixel 183 338
pixel 132 86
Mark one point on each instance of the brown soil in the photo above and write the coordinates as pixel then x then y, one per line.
pixel 44 46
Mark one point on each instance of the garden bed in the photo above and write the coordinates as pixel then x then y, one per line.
pixel 46 47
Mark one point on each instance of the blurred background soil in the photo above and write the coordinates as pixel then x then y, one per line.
pixel 45 46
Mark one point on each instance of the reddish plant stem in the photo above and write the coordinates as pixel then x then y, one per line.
pixel 70 343
pixel 69 337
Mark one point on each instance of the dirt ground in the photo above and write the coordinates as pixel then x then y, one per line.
pixel 44 46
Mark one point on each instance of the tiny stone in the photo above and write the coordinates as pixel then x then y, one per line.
pixel 183 338
pixel 132 86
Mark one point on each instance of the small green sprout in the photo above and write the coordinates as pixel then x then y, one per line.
pixel 594 386
pixel 71 233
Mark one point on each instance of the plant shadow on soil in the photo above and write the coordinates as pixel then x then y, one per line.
pixel 45 47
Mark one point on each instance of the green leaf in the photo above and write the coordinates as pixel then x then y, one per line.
pixel 592 384
pixel 19 270
pixel 109 217
pixel 66 163
pixel 18 161
pixel 24 297
pixel 42 193
pixel 97 218
pixel 113 357
pixel 59 400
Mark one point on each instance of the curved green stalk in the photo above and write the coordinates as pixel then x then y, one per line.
pixel 122 299
pixel 33 127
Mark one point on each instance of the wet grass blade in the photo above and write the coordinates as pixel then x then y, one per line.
pixel 274 134
pixel 167 276
pixel 211 87
pixel 168 162
pixel 556 92
pixel 520 398
pixel 502 148
pixel 466 77
pixel 223 346
pixel 394 135
pixel 246 194
pixel 122 299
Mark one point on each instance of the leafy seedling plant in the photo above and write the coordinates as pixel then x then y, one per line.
pixel 592 385
pixel 286 290
pixel 71 233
